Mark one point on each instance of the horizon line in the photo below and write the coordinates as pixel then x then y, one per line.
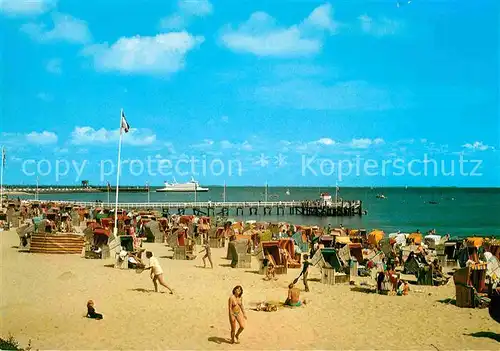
pixel 258 186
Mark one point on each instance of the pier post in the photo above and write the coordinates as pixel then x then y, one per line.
pixel 238 209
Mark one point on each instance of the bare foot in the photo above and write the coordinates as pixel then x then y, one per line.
pixel 236 340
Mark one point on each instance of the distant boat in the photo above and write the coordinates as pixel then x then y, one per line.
pixel 189 187
pixel 287 191
pixel 433 202
pixel 381 196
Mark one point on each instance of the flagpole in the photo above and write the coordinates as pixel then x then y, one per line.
pixel 108 186
pixel 336 192
pixel 115 229
pixel 36 194
pixel 1 178
pixel 147 184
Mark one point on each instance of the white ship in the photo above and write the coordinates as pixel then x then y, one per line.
pixel 189 187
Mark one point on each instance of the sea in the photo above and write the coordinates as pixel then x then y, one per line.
pixel 460 212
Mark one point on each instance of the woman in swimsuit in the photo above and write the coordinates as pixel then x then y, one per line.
pixel 236 313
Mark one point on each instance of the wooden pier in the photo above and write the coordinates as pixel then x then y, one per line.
pixel 255 208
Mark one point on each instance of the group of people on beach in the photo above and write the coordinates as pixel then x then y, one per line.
pixel 236 310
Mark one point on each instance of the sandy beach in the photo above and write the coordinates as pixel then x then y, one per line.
pixel 44 299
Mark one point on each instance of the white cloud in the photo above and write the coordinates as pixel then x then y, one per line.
pixel 322 18
pixel 198 8
pixel 163 53
pixel 205 144
pixel 379 27
pixel 187 10
pixel 58 150
pixel 26 7
pixel 225 144
pixel 175 21
pixel 66 28
pixel 325 141
pixel 90 136
pixel 260 35
pixel 54 66
pixel 364 143
pixel 43 138
pixel 477 146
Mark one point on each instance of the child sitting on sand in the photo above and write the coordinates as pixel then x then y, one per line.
pixel 271 272
pixel 91 313
pixel 293 298
pixel 403 288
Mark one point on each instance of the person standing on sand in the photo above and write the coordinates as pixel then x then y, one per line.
pixel 305 272
pixel 208 254
pixel 156 272
pixel 236 313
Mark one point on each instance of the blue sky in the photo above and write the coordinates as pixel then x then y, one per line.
pixel 273 88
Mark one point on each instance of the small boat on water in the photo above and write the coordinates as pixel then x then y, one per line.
pixel 433 202
pixel 381 196
pixel 189 187
pixel 287 191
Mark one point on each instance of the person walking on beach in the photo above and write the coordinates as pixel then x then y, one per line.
pixel 305 272
pixel 208 255
pixel 236 313
pixel 156 272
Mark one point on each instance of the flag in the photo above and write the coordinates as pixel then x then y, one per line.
pixel 124 125
pixel 109 186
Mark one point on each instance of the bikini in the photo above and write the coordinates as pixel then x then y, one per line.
pixel 235 314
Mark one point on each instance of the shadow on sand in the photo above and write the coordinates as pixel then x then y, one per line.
pixel 171 257
pixel 112 265
pixel 254 272
pixel 365 290
pixel 217 340
pixel 448 301
pixel 489 335
pixel 142 290
pixel 225 265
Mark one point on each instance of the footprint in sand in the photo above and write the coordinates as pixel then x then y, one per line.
pixel 66 275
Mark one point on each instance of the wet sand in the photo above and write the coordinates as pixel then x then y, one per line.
pixel 44 299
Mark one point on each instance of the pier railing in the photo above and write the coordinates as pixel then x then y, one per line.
pixel 205 204
pixel 205 208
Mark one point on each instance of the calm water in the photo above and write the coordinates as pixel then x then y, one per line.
pixel 460 212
